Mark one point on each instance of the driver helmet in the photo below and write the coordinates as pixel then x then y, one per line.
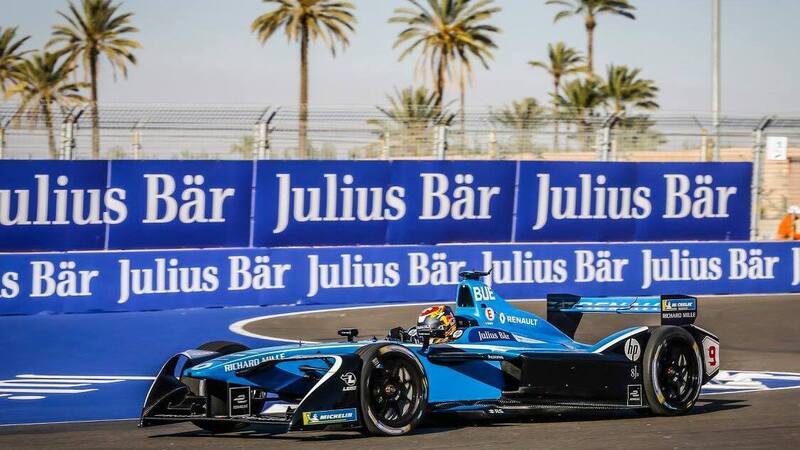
pixel 439 317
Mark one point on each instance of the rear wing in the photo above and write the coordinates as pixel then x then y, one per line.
pixel 566 310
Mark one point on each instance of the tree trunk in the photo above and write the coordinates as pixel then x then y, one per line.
pixel 302 136
pixel 556 82
pixel 95 112
pixel 462 88
pixel 590 24
pixel 48 122
pixel 440 74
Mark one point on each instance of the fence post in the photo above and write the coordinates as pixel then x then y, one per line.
pixel 387 136
pixel 136 144
pixel 261 147
pixel 605 142
pixel 755 186
pixel 441 142
pixel 262 140
pixel 67 138
pixel 492 144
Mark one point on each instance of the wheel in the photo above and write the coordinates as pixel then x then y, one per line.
pixel 672 371
pixel 394 389
pixel 223 348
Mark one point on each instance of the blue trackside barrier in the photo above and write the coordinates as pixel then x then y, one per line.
pixel 187 278
pixel 101 205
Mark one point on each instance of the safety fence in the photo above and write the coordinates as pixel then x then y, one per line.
pixel 217 132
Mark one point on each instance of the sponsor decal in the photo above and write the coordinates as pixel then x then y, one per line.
pixel 489 334
pixel 349 380
pixel 330 416
pixel 489 313
pixel 681 304
pixel 458 334
pixel 511 319
pixel 710 355
pixel 677 311
pixel 482 293
pixel 633 349
pixel 239 365
pixel 634 395
pixel 239 404
pixel 635 374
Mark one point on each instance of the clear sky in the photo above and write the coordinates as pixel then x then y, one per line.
pixel 202 51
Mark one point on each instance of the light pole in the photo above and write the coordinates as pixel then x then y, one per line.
pixel 715 82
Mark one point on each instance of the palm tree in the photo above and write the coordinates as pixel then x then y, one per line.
pixel 46 80
pixel 11 54
pixel 413 113
pixel 581 98
pixel 522 117
pixel 447 33
pixel 624 88
pixel 305 21
pixel 590 9
pixel 95 31
pixel 562 60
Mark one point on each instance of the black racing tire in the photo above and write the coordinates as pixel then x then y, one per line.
pixel 394 389
pixel 673 372
pixel 223 348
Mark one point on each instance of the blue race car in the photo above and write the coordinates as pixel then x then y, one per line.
pixel 488 359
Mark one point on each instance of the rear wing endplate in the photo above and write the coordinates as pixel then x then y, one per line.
pixel 566 310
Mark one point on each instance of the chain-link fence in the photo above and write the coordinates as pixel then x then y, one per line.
pixel 146 131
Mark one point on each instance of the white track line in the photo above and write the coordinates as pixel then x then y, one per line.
pixel 96 378
pixel 21 384
pixel 46 391
pixel 66 422
pixel 238 327
pixel 68 381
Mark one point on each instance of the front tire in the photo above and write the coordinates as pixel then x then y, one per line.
pixel 223 348
pixel 672 371
pixel 394 389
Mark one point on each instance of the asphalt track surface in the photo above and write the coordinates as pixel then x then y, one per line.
pixel 757 333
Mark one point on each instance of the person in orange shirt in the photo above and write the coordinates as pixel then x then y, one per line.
pixel 788 228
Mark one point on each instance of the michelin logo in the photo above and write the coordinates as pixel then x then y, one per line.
pixel 678 305
pixel 331 416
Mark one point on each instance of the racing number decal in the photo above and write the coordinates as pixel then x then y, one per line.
pixel 710 355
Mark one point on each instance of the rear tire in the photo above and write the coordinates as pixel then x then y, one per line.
pixel 673 371
pixel 394 389
pixel 223 348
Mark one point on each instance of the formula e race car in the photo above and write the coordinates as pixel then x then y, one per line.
pixel 502 361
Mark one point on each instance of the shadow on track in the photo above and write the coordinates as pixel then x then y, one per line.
pixel 445 423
